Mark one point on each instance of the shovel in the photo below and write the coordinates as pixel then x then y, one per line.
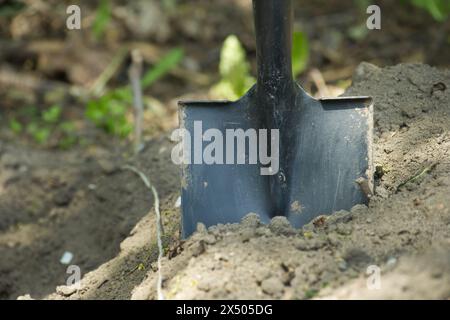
pixel 320 149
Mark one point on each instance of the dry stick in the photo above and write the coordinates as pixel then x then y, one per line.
pixel 100 83
pixel 159 226
pixel 134 74
pixel 418 175
pixel 318 80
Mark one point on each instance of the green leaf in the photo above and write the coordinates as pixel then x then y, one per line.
pixel 300 52
pixel 439 9
pixel 11 9
pixel 109 112
pixel 41 134
pixel 102 18
pixel 234 70
pixel 15 126
pixel 358 32
pixel 167 63
pixel 52 115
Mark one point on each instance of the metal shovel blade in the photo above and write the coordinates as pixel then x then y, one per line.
pixel 323 147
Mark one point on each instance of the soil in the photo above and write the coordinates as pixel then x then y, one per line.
pixel 88 205
pixel 84 202
pixel 79 201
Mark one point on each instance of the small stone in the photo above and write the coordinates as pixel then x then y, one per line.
pixel 66 291
pixel 251 220
pixel 309 245
pixel 272 286
pixel 198 248
pixel 262 231
pixel 206 284
pixel 342 265
pixel 62 198
pixel 343 229
pixel 247 234
pixel 107 166
pixel 333 239
pixel 281 226
pixel 209 239
pixel 201 228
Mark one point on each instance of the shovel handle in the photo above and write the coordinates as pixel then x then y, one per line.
pixel 273 28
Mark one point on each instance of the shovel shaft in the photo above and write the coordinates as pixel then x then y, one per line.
pixel 273 28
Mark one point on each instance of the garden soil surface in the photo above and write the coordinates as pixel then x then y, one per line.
pixel 85 202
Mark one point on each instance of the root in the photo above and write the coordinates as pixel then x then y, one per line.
pixel 159 226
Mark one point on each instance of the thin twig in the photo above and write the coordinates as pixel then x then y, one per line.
pixel 318 80
pixel 99 85
pixel 159 226
pixel 418 175
pixel 135 72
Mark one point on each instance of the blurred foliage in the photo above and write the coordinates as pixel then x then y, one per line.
pixel 167 63
pixel 234 69
pixel 10 9
pixel 102 18
pixel 358 32
pixel 41 125
pixel 109 112
pixel 439 9
pixel 300 52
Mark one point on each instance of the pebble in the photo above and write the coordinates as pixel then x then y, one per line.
pixel 280 226
pixel 272 286
pixel 343 229
pixel 107 166
pixel 66 290
pixel 342 265
pixel 198 248
pixel 251 220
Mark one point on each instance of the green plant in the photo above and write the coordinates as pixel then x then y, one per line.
pixel 311 293
pixel 10 9
pixel 167 63
pixel 41 125
pixel 109 112
pixel 52 115
pixel 234 69
pixel 15 126
pixel 439 9
pixel 102 18
pixel 300 52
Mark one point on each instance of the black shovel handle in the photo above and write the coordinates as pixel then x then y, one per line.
pixel 273 28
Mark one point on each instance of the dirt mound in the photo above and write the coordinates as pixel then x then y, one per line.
pixel 397 233
pixel 405 226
